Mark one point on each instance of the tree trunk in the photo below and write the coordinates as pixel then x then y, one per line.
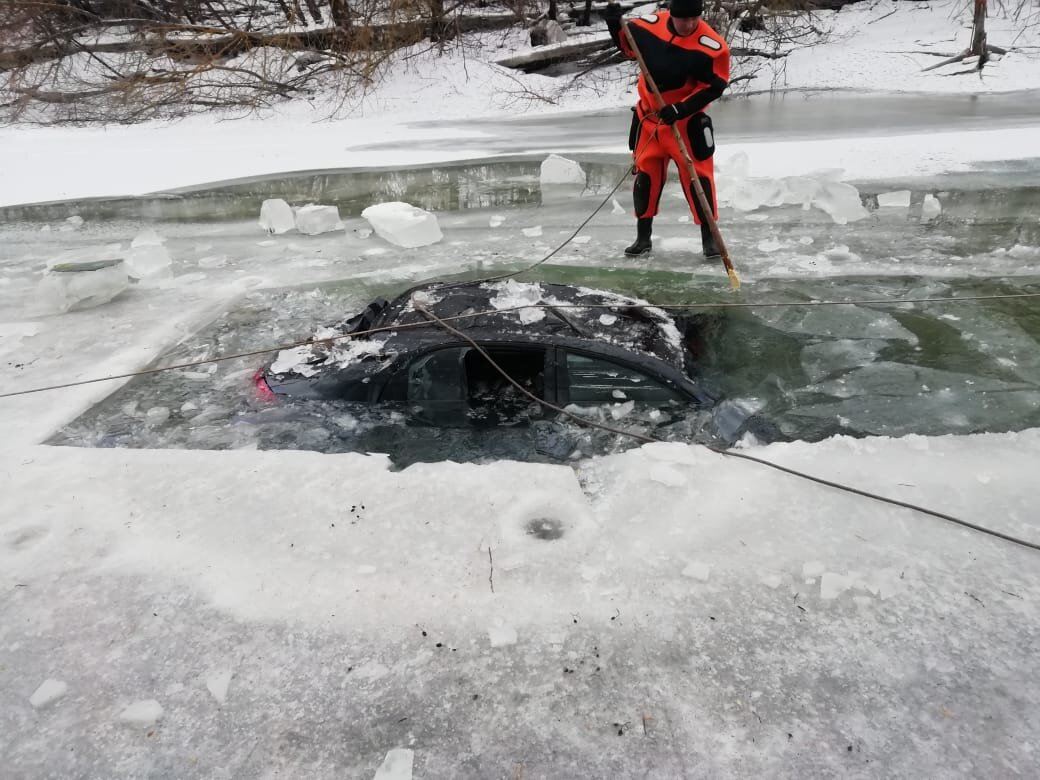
pixel 553 12
pixel 978 30
pixel 341 16
pixel 586 15
pixel 315 10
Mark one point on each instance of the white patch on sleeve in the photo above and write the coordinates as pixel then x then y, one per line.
pixel 711 43
pixel 709 138
pixel 651 18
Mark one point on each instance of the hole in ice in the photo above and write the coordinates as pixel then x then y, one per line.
pixel 547 528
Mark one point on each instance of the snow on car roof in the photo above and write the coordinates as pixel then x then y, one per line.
pixel 508 308
pixel 499 310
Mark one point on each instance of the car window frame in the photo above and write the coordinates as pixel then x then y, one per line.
pixel 563 375
pixel 400 374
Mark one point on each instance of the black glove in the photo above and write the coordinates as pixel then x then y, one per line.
pixel 612 11
pixel 672 113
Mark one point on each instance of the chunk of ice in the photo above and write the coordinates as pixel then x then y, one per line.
pixel 501 636
pixel 697 571
pixel 841 201
pixel 217 684
pixel 49 691
pixel 616 208
pixel 828 357
pixel 276 216
pixel 900 199
pixel 813 569
pixel 621 411
pixel 533 232
pixel 81 285
pixel 396 766
pixel 403 225
pixel 560 170
pixel 931 208
pixel 157 415
pixel 313 219
pixel 142 713
pixel 833 585
pixel 148 258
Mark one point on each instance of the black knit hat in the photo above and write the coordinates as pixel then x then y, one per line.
pixel 686 9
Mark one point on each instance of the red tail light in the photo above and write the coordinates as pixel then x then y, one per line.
pixel 263 390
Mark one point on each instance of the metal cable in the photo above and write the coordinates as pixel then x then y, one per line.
pixel 728 453
pixel 411 326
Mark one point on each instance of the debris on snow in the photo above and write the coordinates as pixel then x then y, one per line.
pixel 697 571
pixel 502 636
pixel 217 684
pixel 396 766
pixel 142 713
pixel 50 690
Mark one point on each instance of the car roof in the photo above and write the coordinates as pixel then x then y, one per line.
pixel 510 311
pixel 503 311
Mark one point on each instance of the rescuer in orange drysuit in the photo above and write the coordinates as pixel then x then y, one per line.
pixel 689 63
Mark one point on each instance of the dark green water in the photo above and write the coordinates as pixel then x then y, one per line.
pixel 808 371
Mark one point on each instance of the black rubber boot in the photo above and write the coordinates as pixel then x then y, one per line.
pixel 711 249
pixel 643 244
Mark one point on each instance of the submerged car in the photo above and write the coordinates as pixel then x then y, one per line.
pixel 584 349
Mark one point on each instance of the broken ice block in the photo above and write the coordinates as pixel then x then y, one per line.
pixel 50 690
pixel 148 258
pixel 81 285
pixel 397 765
pixel 560 170
pixel 313 219
pixel 841 201
pixel 931 208
pixel 142 713
pixel 276 216
pixel 899 199
pixel 403 224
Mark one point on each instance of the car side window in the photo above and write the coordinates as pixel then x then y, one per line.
pixel 438 376
pixel 597 381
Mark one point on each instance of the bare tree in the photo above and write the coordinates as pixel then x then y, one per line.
pixel 978 46
pixel 129 60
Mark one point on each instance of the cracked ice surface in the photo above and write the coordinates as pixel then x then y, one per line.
pixel 309 615
pixel 906 630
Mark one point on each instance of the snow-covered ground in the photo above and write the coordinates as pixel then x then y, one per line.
pixel 869 47
pixel 177 613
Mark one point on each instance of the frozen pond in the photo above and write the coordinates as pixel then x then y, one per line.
pixel 661 611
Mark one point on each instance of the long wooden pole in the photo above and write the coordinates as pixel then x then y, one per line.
pixel 707 213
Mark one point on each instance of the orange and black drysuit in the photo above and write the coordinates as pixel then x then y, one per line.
pixel 690 72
